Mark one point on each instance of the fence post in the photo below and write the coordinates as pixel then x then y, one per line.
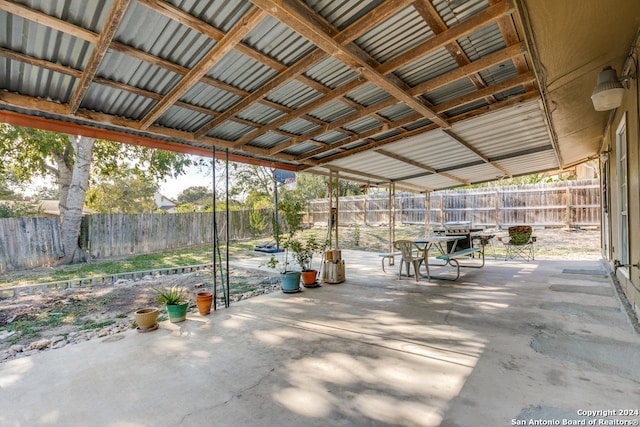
pixel 497 209
pixel 568 191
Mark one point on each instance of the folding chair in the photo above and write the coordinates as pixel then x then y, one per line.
pixel 411 255
pixel 520 242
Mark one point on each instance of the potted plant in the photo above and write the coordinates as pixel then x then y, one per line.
pixel 302 252
pixel 174 300
pixel 289 279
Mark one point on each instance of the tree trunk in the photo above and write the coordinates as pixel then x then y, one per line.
pixel 72 218
pixel 64 173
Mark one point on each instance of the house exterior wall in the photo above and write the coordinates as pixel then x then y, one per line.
pixel 628 277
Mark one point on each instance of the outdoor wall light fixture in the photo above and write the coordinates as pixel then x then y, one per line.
pixel 609 91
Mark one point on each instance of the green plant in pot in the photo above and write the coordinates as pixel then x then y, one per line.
pixel 173 298
pixel 289 279
pixel 302 252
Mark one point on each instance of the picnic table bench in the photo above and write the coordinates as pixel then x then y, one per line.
pixel 453 258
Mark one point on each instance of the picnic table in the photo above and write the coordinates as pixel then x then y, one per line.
pixel 444 249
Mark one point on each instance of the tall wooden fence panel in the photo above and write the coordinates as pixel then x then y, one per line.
pixel 29 242
pixel 118 234
pixel 559 204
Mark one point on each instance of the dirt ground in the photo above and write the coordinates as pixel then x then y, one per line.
pixel 59 313
pixel 29 318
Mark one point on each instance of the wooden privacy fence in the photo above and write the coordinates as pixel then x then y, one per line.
pixel 34 242
pixel 559 204
pixel 29 242
pixel 110 235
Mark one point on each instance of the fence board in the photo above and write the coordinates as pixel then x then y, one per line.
pixel 565 203
pixel 31 242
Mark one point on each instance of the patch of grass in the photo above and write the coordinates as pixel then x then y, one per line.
pixel 181 257
pixel 89 324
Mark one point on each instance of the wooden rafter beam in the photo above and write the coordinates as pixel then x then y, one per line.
pixel 481 64
pixel 441 40
pixel 379 143
pixel 510 36
pixel 347 35
pixel 489 90
pixel 406 160
pixel 437 25
pixel 315 34
pixel 464 143
pixel 463 72
pixel 224 46
pixel 176 14
pixel 495 58
pixel 118 9
pixel 52 66
pixel 48 21
pixel 482 93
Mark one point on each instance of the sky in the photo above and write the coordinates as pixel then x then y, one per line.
pixel 171 188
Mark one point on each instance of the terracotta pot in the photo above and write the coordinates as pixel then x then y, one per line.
pixel 204 300
pixel 309 277
pixel 146 317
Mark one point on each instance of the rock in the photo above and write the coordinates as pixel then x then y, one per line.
pixel 4 355
pixel 16 348
pixel 56 339
pixel 39 345
pixel 59 344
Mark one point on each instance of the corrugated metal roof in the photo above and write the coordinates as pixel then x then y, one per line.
pixel 368 94
pixel 160 36
pixel 141 78
pixel 403 31
pixel 242 72
pixel 342 13
pixel 210 97
pixel 278 41
pixel 222 14
pixel 299 126
pixel 183 119
pixel 331 73
pixel 294 95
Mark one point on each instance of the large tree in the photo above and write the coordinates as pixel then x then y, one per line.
pixel 73 161
pixel 197 195
pixel 128 194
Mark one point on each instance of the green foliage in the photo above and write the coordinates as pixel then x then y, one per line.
pixel 356 234
pixel 172 295
pixel 28 153
pixel 197 195
pixel 303 250
pixel 129 194
pixel 258 221
pixel 19 210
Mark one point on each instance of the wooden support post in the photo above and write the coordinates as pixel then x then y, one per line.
pixel 427 214
pixel 392 220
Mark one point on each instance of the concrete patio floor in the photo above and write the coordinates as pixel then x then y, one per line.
pixel 511 343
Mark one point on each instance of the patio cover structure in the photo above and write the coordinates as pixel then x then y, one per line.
pixel 424 94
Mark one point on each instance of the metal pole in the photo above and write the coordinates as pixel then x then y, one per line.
pixel 227 299
pixel 276 226
pixel 215 237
